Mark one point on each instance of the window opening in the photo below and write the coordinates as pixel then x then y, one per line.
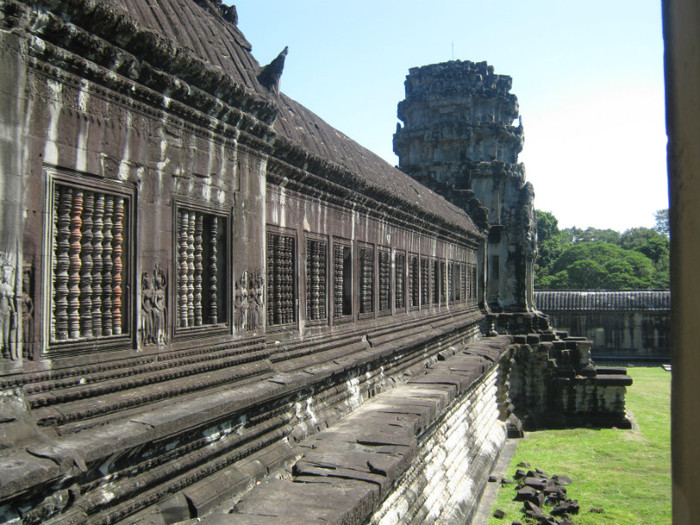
pixel 201 262
pixel 280 278
pixel 89 267
pixel 316 251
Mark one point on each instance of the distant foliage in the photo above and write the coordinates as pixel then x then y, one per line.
pixel 663 225
pixel 593 259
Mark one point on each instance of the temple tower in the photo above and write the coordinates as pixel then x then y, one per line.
pixel 461 137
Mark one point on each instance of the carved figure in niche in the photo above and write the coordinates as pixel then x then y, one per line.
pixel 249 299
pixel 27 313
pixel 153 307
pixel 256 294
pixel 238 306
pixel 161 304
pixel 147 307
pixel 8 318
pixel 245 298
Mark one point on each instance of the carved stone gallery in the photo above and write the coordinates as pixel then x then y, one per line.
pixel 216 307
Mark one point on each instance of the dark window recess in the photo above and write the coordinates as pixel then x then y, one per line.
pixel 436 282
pixel 413 282
pixel 342 280
pixel 473 283
pixel 201 263
pixel 89 264
pixel 280 279
pixel 316 255
pixel 442 287
pixel 366 280
pixel 400 286
pixel 384 281
pixel 451 282
pixel 424 282
pixel 457 282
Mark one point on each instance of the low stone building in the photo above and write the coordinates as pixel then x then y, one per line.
pixel 215 306
pixel 626 325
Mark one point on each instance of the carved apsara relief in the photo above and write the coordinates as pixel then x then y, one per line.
pixel 249 301
pixel 154 307
pixel 28 312
pixel 8 309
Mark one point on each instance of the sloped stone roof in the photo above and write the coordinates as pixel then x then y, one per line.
pixel 306 129
pixel 596 301
pixel 201 28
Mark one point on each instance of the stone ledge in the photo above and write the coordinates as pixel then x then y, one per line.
pixel 68 457
pixel 600 380
pixel 351 467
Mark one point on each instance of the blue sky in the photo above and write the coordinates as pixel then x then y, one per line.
pixel 588 76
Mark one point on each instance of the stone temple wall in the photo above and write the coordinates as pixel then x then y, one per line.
pixel 626 325
pixel 201 281
pixel 453 462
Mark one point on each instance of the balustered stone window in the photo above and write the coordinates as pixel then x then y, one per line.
pixel 456 288
pixel 451 282
pixel 400 280
pixel 316 289
pixel 436 281
pixel 413 281
pixel 200 264
pixel 442 286
pixel 474 284
pixel 342 280
pixel 281 283
pixel 90 238
pixel 384 258
pixel 424 282
pixel 464 288
pixel 366 279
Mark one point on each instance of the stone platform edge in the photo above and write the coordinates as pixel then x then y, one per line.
pixel 344 473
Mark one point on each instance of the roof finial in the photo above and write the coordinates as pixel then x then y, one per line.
pixel 271 73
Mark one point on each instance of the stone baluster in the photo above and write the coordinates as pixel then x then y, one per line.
pixel 182 267
pixel 213 271
pixel 64 198
pixel 86 267
pixel 74 265
pixel 97 242
pixel 272 283
pixel 400 268
pixel 198 268
pixel 117 266
pixel 107 265
pixel 338 280
pixel 190 268
pixel 288 300
pixel 322 284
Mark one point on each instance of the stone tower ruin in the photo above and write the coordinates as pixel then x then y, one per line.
pixel 461 136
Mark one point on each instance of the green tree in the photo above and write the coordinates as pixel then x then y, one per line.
pixel 549 243
pixel 595 258
pixel 654 245
pixel 663 225
pixel 600 265
pixel 592 235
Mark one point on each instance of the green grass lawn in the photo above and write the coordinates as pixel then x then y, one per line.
pixel 626 472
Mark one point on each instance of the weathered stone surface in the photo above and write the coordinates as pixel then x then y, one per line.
pixel 469 150
pixel 153 368
pixel 627 324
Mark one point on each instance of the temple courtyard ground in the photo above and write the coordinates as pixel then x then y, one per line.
pixel 624 473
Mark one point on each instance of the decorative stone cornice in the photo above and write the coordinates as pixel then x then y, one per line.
pixel 108 55
pixel 317 177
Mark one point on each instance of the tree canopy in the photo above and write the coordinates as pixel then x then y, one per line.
pixel 601 259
